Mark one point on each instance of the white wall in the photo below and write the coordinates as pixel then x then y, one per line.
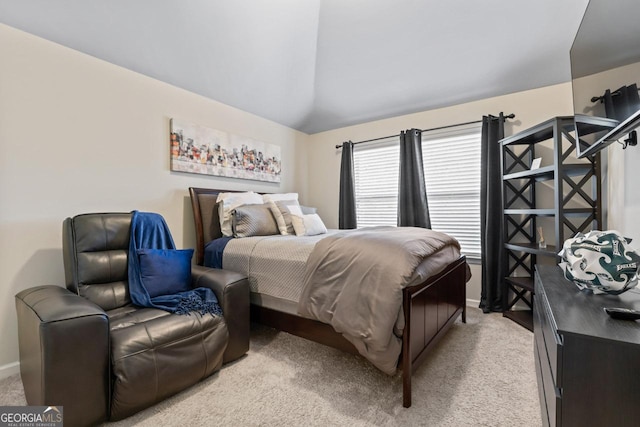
pixel 79 135
pixel 530 107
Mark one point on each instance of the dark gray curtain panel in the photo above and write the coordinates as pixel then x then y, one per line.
pixel 347 205
pixel 621 103
pixel 492 297
pixel 413 207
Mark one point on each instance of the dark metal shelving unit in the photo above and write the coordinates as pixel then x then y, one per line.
pixel 521 208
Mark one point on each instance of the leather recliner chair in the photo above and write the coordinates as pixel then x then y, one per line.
pixel 88 349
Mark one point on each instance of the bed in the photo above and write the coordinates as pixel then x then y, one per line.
pixel 429 307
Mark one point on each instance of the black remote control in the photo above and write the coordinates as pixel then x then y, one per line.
pixel 622 313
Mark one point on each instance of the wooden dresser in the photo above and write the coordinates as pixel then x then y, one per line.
pixel 587 364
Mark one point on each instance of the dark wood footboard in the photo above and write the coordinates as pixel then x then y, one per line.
pixel 430 309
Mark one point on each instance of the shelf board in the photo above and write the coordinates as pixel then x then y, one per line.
pixel 547 172
pixel 578 211
pixel 522 317
pixel 539 174
pixel 544 130
pixel 590 124
pixel 532 248
pixel 573 169
pixel 550 212
pixel 539 212
pixel 521 282
pixel 538 133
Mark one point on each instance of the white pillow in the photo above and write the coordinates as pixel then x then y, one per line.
pixel 296 210
pixel 308 225
pixel 228 202
pixel 276 197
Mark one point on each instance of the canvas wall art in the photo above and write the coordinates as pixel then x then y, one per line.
pixel 203 150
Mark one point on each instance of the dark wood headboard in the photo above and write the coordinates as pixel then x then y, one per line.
pixel 205 217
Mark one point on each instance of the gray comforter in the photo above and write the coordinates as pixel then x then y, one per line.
pixel 354 280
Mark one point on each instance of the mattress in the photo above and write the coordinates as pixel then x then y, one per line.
pixel 275 266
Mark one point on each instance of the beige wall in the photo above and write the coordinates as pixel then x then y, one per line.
pixel 623 198
pixel 78 135
pixel 530 107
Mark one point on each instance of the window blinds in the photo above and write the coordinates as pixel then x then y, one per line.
pixel 451 161
pixel 452 173
pixel 376 168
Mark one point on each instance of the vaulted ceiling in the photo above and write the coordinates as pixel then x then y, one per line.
pixel 315 65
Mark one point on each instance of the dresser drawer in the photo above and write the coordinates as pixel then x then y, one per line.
pixel 545 332
pixel 552 398
pixel 544 412
pixel 538 335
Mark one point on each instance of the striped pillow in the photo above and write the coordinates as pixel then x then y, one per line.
pixel 253 220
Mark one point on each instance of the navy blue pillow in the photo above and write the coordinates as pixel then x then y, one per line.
pixel 165 271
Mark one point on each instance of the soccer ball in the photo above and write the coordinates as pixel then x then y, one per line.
pixel 601 261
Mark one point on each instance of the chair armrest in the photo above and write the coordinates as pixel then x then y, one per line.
pixel 232 291
pixel 63 341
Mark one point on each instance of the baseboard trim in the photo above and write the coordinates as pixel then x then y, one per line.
pixel 476 304
pixel 473 303
pixel 9 369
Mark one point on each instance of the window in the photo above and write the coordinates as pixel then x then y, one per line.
pixel 376 167
pixel 452 176
pixel 451 159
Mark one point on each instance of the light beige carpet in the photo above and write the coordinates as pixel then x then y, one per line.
pixel 480 374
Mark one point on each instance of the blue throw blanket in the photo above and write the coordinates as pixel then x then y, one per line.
pixel 214 250
pixel 150 231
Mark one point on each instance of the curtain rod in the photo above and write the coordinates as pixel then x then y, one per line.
pixel 510 116
pixel 601 98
